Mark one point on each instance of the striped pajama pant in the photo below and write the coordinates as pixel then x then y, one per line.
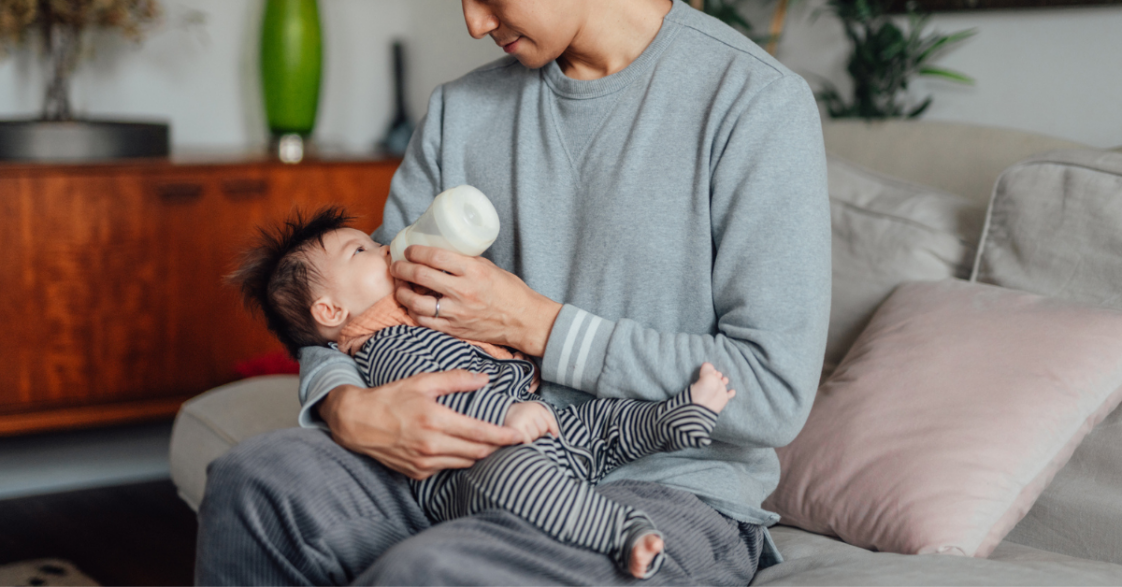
pixel 550 482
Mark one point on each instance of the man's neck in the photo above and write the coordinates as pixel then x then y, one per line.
pixel 615 35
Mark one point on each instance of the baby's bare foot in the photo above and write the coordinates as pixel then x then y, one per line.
pixel 711 389
pixel 644 552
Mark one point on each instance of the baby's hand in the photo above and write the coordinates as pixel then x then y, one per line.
pixel 711 389
pixel 532 419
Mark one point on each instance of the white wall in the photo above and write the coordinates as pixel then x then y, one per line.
pixel 205 79
pixel 1053 71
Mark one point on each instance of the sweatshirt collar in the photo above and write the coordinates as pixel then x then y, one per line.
pixel 582 89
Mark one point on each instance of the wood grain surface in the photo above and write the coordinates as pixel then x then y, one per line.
pixel 112 303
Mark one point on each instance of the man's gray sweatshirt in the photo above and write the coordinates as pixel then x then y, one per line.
pixel 677 209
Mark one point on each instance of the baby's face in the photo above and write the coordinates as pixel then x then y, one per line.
pixel 355 269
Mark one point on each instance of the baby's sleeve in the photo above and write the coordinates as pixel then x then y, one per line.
pixel 321 370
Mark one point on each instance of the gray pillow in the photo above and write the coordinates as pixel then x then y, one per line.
pixel 1054 227
pixel 887 231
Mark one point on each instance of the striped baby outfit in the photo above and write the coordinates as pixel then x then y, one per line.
pixel 550 482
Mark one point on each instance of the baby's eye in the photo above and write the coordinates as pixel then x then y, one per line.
pixel 360 249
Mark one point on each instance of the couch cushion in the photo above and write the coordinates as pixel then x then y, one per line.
pixel 952 412
pixel 812 559
pixel 1055 227
pixel 210 424
pixel 887 231
pixel 1080 513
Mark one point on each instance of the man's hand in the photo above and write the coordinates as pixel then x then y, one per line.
pixel 401 426
pixel 532 420
pixel 478 300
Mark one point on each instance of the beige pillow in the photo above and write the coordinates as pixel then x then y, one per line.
pixel 887 231
pixel 1055 227
pixel 948 418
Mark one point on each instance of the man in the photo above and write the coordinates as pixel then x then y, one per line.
pixel 661 185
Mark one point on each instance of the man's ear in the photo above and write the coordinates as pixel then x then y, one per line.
pixel 327 313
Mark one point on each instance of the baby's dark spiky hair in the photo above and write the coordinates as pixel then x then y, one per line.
pixel 276 279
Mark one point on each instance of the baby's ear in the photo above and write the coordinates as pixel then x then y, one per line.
pixel 327 313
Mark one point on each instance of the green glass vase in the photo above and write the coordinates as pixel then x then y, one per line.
pixel 291 65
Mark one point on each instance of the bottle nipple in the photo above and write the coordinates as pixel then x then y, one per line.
pixel 472 216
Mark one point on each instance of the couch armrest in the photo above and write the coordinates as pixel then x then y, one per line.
pixel 209 425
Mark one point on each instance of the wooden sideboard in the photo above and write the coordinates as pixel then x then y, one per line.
pixel 112 304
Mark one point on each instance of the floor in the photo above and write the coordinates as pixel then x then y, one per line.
pixel 133 534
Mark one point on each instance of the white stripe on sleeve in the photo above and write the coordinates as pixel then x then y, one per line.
pixel 570 340
pixel 582 358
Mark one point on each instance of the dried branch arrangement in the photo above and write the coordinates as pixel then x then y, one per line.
pixel 60 25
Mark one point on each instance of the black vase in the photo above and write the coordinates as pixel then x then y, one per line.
pixel 401 127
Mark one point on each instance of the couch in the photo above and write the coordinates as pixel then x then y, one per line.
pixel 1068 537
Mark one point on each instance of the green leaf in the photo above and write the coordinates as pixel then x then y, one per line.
pixel 944 41
pixel 953 76
pixel 918 110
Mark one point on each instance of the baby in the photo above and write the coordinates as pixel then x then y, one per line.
pixel 319 282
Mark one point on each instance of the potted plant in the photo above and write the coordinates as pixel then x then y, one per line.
pixel 885 59
pixel 60 26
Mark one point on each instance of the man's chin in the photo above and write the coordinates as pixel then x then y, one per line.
pixel 534 61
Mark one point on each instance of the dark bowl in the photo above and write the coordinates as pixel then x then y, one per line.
pixel 81 140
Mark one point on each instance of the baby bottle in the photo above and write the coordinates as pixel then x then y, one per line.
pixel 461 219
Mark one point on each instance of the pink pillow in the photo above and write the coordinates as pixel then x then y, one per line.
pixel 949 416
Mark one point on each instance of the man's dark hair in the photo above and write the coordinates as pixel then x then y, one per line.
pixel 275 278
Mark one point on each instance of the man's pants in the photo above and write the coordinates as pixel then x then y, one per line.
pixel 293 508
